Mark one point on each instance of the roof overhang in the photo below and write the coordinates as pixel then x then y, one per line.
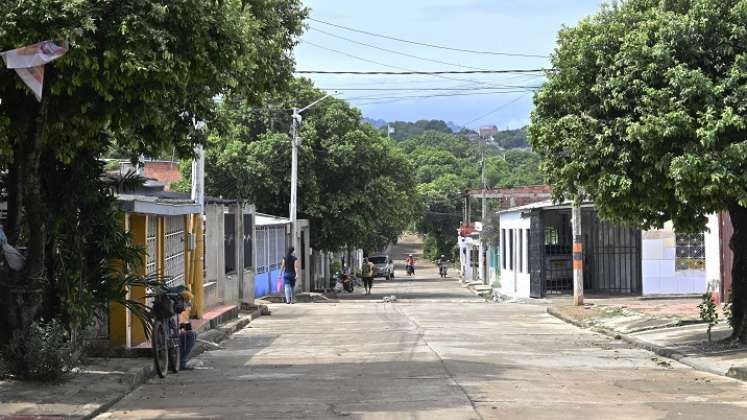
pixel 151 205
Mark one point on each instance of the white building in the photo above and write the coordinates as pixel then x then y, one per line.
pixel 536 258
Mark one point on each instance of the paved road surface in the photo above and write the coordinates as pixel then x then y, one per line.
pixel 438 353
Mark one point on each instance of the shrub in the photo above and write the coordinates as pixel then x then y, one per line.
pixel 708 312
pixel 41 353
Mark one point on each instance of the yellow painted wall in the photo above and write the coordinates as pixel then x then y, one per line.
pixel 139 229
pixel 196 267
pixel 118 313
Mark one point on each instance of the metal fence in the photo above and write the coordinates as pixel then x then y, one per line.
pixel 174 249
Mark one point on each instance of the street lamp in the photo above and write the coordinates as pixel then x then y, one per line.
pixel 295 125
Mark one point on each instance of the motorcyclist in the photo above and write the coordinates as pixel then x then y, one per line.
pixel 410 265
pixel 443 264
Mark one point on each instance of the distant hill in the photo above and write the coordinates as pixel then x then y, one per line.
pixel 375 123
pixel 512 139
pixel 506 139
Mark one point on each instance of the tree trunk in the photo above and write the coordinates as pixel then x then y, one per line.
pixel 738 244
pixel 26 293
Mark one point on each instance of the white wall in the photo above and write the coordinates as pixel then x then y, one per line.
pixel 713 253
pixel 658 259
pixel 514 277
pixel 465 258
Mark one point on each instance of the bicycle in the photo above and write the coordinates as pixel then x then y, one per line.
pixel 165 340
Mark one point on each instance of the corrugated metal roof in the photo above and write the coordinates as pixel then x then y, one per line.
pixel 547 204
pixel 267 220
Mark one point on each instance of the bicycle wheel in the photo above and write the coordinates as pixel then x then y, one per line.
pixel 174 346
pixel 159 343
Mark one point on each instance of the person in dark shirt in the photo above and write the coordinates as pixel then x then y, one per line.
pixel 289 268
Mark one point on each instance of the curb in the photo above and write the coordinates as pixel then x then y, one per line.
pixel 739 373
pixel 134 378
pixel 138 376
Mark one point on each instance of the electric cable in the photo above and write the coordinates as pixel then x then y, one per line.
pixel 404 71
pixel 487 114
pixel 395 51
pixel 401 73
pixel 425 44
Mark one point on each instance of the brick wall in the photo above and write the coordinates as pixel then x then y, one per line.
pixel 166 172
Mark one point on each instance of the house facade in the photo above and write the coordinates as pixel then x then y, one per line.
pixel 537 255
pixel 169 228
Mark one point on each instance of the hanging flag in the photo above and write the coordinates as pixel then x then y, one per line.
pixel 29 62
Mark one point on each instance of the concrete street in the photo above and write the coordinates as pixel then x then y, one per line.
pixel 439 352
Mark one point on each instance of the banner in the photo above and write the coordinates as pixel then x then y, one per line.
pixel 29 62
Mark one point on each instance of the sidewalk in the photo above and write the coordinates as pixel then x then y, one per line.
pixel 99 384
pixel 667 327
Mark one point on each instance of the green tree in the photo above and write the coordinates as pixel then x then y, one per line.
pixel 644 113
pixel 138 74
pixel 354 185
pixel 405 129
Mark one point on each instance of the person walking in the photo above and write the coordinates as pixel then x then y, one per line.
pixel 367 272
pixel 289 268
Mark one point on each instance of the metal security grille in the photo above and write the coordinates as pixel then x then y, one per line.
pixel 229 242
pixel 174 241
pixel 558 257
pixel 150 244
pixel 270 244
pixel 261 243
pixel 690 251
pixel 277 246
pixel 612 256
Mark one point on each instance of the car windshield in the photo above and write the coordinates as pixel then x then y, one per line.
pixel 378 260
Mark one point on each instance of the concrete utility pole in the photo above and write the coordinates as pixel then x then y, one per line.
pixel 483 181
pixel 296 140
pixel 578 257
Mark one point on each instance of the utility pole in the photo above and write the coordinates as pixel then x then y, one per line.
pixel 578 257
pixel 296 142
pixel 294 177
pixel 483 182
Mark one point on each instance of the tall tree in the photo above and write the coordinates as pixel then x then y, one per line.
pixel 138 73
pixel 644 113
pixel 354 185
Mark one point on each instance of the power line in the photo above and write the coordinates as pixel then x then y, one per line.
pixel 487 114
pixel 394 51
pixel 396 99
pixel 404 70
pixel 425 44
pixel 432 89
pixel 427 73
pixel 434 95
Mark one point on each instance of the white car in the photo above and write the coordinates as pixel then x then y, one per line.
pixel 383 266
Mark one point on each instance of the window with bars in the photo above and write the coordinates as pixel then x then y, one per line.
pixel 174 249
pixel 551 236
pixel 229 242
pixel 690 251
pixel 277 249
pixel 247 240
pixel 151 245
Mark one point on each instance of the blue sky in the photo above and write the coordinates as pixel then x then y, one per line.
pixel 515 26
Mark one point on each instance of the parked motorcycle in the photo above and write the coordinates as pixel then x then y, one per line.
pixel 344 282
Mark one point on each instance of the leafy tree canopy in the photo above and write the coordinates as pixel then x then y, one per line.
pixel 138 74
pixel 405 129
pixel 354 186
pixel 644 113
